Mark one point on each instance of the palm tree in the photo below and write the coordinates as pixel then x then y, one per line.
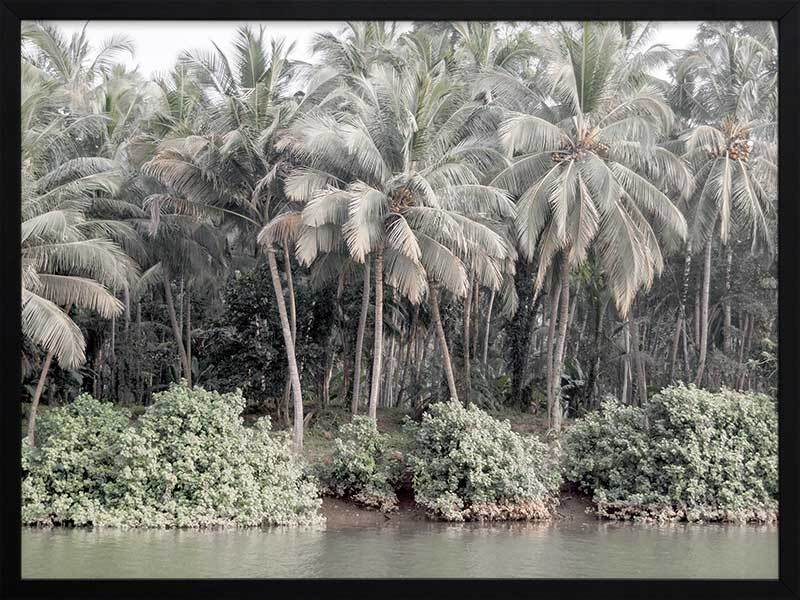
pixel 68 260
pixel 588 171
pixel 723 87
pixel 394 166
pixel 72 64
pixel 234 171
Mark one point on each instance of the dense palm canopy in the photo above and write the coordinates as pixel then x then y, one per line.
pixel 503 206
pixel 588 170
pixel 68 258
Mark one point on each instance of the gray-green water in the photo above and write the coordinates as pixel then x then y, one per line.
pixel 565 550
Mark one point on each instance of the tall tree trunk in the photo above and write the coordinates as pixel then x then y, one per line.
pixel 388 385
pixel 362 324
pixel 377 357
pixel 35 402
pixel 448 365
pixel 626 368
pixel 555 297
pixel 476 307
pixel 138 358
pixel 340 322
pixel 697 320
pixel 727 331
pixel 530 348
pixel 180 299
pixel 594 370
pixel 680 327
pixel 189 336
pixel 687 370
pixel 555 415
pixel 740 362
pixel 287 267
pixel 703 342
pixel 488 327
pixel 113 353
pixel 327 371
pixel 412 336
pixel 288 341
pixel 675 342
pixel 287 399
pixel 748 338
pixel 467 319
pixel 641 374
pixel 173 319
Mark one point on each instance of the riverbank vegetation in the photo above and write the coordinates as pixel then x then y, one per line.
pixel 188 461
pixel 688 455
pixel 522 219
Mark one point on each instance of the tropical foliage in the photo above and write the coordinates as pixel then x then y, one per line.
pixel 468 466
pixel 363 467
pixel 508 215
pixel 187 462
pixel 689 455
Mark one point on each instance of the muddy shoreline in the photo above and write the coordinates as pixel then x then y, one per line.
pixel 343 513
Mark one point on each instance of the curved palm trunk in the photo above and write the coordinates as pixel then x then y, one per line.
pixel 377 352
pixel 703 342
pixel 173 319
pixel 36 397
pixel 362 324
pixel 448 365
pixel 288 340
pixel 287 267
pixel 563 319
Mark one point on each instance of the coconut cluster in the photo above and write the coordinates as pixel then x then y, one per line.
pixel 401 199
pixel 739 144
pixel 739 148
pixel 585 145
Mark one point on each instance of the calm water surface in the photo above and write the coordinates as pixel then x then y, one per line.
pixel 411 550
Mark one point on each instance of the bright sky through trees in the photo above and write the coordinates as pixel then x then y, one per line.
pixel 158 43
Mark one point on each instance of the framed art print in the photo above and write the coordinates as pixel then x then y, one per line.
pixel 333 299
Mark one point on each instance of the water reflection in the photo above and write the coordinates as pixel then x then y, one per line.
pixel 419 549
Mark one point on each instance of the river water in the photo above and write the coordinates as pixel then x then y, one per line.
pixel 560 550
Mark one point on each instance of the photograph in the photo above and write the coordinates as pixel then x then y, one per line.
pixel 399 300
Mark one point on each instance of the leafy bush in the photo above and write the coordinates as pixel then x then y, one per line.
pixel 362 467
pixel 690 455
pixel 188 462
pixel 467 465
pixel 66 478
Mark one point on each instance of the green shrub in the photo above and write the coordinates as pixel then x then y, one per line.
pixel 189 462
pixel 690 455
pixel 67 477
pixel 466 465
pixel 362 466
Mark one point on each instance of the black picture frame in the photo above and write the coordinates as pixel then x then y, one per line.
pixel 785 12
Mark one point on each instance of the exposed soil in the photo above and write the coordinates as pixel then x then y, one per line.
pixel 573 506
pixel 342 513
